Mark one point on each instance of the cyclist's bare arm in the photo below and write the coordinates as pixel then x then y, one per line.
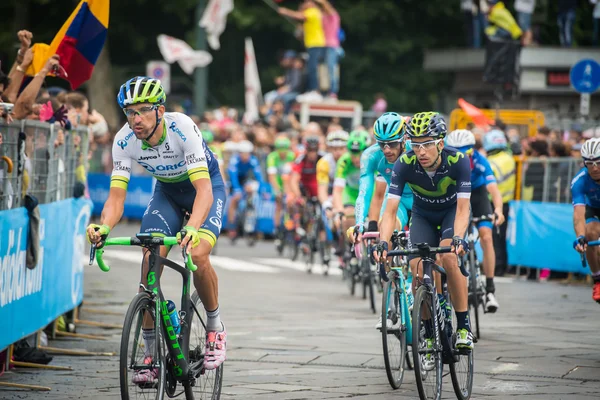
pixel 579 220
pixel 114 206
pixel 493 190
pixel 461 219
pixel 377 200
pixel 273 181
pixel 295 185
pixel 322 192
pixel 389 219
pixel 337 198
pixel 202 202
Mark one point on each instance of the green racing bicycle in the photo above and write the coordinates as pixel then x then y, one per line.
pixel 176 358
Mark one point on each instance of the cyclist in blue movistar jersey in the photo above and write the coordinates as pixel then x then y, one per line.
pixel 376 165
pixel 585 189
pixel 170 147
pixel 241 166
pixel 440 179
pixel 482 183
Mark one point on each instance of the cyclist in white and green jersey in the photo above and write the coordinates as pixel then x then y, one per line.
pixel 170 147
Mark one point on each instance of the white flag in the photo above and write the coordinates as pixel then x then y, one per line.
pixel 173 49
pixel 214 20
pixel 252 83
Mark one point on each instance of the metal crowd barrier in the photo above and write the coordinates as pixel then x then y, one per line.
pixel 40 159
pixel 546 179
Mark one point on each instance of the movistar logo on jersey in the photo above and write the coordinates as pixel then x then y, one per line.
pixel 175 129
pixel 154 168
pixel 442 187
pixel 408 160
pixel 454 159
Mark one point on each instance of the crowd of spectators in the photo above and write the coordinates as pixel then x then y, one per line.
pixel 24 97
pixel 498 20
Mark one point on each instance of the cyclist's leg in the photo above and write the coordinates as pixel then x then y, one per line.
pixel 206 280
pixel 592 232
pixel 481 206
pixel 406 203
pixel 457 283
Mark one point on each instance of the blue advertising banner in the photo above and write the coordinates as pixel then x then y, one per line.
pixel 32 298
pixel 139 192
pixel 540 235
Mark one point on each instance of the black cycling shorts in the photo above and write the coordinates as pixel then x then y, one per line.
pixel 592 214
pixel 431 227
pixel 481 206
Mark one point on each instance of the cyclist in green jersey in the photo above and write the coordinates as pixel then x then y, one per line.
pixel 278 170
pixel 347 177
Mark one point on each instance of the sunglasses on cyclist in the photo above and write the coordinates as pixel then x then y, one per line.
pixel 130 113
pixel 589 164
pixel 391 145
pixel 425 145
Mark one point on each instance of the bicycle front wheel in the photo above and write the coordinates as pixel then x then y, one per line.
pixel 461 372
pixel 208 383
pixel 142 370
pixel 393 337
pixel 427 347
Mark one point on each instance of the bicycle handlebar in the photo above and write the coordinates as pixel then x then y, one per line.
pixel 424 251
pixel 358 247
pixel 97 252
pixel 583 259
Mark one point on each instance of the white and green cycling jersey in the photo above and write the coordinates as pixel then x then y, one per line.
pixel 181 154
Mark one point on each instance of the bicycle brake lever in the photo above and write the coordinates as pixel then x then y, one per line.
pixel 92 253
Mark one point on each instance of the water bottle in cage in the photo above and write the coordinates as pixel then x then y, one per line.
pixel 172 311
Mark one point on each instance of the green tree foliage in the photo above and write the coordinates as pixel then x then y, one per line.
pixel 386 40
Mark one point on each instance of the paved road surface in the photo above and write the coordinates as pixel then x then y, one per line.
pixel 299 336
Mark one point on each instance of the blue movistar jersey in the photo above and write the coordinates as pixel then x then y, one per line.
pixel 372 163
pixel 481 172
pixel 239 171
pixel 436 190
pixel 584 190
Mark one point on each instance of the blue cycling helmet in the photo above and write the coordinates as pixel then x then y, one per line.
pixel 389 127
pixel 494 140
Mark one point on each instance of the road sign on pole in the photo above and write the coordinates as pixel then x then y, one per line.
pixel 160 70
pixel 585 78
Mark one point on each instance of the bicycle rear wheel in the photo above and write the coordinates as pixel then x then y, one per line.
pixel 429 380
pixel 393 339
pixel 134 355
pixel 208 383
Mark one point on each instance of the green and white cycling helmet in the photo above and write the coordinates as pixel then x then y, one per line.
pixel 141 89
pixel 362 133
pixel 282 143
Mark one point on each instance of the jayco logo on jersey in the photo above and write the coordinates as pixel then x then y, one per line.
pixel 154 168
pixel 152 157
pixel 175 129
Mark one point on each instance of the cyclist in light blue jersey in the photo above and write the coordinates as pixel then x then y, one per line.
pixel 376 165
pixel 585 189
pixel 483 183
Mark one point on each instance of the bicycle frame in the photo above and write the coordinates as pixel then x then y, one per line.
pixel 177 346
pixel 176 349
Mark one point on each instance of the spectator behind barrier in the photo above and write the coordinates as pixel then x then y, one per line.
pixel 502 25
pixel 534 175
pixel 566 19
pixel 596 22
pixel 525 10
